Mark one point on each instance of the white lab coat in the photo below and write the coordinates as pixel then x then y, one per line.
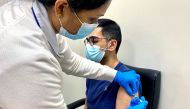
pixel 32 59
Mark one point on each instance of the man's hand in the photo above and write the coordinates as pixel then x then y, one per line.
pixel 138 103
pixel 129 80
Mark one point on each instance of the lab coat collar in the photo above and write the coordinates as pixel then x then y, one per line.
pixel 42 19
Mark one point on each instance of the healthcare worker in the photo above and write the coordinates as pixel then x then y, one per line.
pixel 33 59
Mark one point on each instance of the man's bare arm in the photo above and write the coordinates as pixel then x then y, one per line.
pixel 85 105
pixel 123 99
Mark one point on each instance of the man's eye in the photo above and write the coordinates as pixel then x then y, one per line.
pixel 95 40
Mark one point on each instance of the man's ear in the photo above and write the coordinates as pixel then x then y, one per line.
pixel 59 7
pixel 112 45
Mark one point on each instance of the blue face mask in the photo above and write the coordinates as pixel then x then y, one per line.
pixel 83 31
pixel 94 53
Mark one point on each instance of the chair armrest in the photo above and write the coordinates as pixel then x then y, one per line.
pixel 76 104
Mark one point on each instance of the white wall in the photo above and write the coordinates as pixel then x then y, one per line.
pixel 156 34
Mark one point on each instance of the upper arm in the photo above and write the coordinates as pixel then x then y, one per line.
pixel 73 64
pixel 85 105
pixel 123 99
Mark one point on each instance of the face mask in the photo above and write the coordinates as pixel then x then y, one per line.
pixel 83 31
pixel 94 53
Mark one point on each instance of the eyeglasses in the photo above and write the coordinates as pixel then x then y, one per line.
pixel 93 40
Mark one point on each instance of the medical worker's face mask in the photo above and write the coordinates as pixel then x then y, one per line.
pixel 94 52
pixel 83 31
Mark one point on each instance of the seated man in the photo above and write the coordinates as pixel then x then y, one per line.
pixel 102 46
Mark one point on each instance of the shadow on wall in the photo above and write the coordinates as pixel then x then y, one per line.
pixel 147 44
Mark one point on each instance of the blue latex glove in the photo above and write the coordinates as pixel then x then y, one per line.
pixel 138 103
pixel 129 80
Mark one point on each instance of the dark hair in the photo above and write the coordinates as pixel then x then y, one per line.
pixel 111 30
pixel 78 5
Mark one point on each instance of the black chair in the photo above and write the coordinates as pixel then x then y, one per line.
pixel 151 82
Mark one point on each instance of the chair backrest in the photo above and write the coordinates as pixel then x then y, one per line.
pixel 151 82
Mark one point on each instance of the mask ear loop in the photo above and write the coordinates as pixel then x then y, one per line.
pixel 77 16
pixel 106 48
pixel 58 16
pixel 74 12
